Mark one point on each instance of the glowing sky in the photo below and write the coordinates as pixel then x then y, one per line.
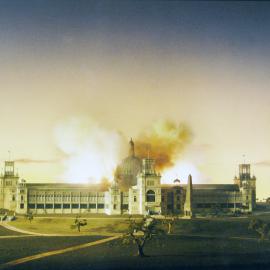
pixel 126 64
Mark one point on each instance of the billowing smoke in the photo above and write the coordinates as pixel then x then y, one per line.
pixel 93 151
pixel 164 141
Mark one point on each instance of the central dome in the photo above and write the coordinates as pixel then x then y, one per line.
pixel 127 171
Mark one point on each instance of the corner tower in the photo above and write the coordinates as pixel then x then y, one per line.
pixel 247 185
pixel 8 185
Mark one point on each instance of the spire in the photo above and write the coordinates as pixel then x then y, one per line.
pixel 131 148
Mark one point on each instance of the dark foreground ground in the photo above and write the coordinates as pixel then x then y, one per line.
pixel 197 244
pixel 170 252
pixel 16 248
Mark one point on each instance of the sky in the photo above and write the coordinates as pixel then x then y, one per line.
pixel 123 65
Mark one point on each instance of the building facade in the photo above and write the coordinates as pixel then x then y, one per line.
pixel 145 196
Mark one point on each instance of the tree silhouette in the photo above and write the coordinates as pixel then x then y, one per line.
pixel 78 222
pixel 260 227
pixel 141 232
pixel 29 216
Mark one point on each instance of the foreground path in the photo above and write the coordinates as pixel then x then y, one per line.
pixel 12 232
pixel 11 228
pixel 56 252
pixel 16 236
pixel 29 233
pixel 6 233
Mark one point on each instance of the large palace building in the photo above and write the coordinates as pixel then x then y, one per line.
pixel 136 189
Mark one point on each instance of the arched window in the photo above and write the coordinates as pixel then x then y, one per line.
pixel 150 196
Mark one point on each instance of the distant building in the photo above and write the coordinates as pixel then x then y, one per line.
pixel 143 193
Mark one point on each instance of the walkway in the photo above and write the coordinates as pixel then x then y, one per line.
pixel 29 233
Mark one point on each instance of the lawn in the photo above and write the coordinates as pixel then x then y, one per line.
pixel 215 227
pixel 61 225
pixel 221 227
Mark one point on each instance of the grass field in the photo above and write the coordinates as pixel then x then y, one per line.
pixel 57 225
pixel 61 225
pixel 215 227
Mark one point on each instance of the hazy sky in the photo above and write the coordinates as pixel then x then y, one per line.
pixel 126 64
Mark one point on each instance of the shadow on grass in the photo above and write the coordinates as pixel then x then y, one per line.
pixel 110 228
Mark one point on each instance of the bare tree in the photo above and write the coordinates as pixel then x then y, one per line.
pixel 141 232
pixel 29 216
pixel 260 227
pixel 78 222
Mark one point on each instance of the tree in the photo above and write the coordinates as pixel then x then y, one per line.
pixel 141 232
pixel 260 227
pixel 5 216
pixel 29 216
pixel 78 223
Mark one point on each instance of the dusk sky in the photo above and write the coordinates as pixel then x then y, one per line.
pixel 120 66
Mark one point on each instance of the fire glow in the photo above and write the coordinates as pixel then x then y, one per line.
pixel 181 170
pixel 93 151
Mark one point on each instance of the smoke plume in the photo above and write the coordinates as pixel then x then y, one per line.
pixel 164 141
pixel 93 151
